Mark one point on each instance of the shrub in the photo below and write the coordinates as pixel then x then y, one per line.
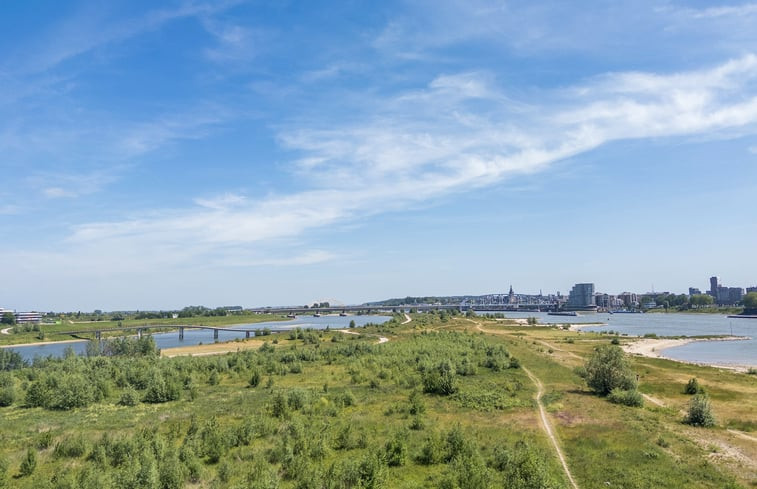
pixel 29 463
pixel 692 387
pixel 396 450
pixel 700 412
pixel 71 447
pixel 630 397
pixel 129 397
pixel 607 369
pixel 255 378
pixel 440 380
pixel 432 452
pixel 522 467
pixel 7 396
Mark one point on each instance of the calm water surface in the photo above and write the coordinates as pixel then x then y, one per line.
pixel 672 324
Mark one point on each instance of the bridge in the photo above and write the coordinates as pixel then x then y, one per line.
pixel 140 329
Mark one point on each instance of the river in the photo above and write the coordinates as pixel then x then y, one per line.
pixel 205 336
pixel 673 324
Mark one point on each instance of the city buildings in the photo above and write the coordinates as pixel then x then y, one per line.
pixel 581 297
pixel 23 317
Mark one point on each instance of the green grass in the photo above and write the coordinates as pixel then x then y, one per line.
pixel 493 406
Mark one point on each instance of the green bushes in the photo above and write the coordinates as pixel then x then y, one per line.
pixel 692 387
pixel 608 369
pixel 441 379
pixel 700 412
pixel 129 397
pixel 28 464
pixel 630 397
pixel 71 447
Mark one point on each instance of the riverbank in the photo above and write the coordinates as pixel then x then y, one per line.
pixel 211 349
pixel 41 343
pixel 655 348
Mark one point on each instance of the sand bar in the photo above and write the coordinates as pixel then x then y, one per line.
pixel 655 347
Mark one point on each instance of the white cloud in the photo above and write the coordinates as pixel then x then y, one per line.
pixel 459 133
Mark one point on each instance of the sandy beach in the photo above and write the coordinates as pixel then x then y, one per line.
pixel 40 343
pixel 655 347
pixel 211 348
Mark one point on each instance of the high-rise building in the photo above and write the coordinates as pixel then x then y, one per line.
pixel 714 284
pixel 581 297
pixel 694 291
pixel 751 289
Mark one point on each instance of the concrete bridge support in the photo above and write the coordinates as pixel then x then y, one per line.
pixel 181 333
pixel 98 335
pixel 215 334
pixel 246 334
pixel 139 333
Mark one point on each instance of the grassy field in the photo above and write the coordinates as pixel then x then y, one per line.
pixel 441 404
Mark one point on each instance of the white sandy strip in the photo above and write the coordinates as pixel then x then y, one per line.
pixel 6 331
pixel 39 343
pixel 381 339
pixel 655 347
pixel 407 319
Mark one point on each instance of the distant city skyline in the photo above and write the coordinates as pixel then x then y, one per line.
pixel 158 155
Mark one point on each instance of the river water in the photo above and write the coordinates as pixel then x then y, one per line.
pixel 205 336
pixel 673 324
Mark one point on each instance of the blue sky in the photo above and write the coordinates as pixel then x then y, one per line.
pixel 161 154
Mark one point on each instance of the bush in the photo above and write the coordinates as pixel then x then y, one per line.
pixel 129 397
pixel 692 387
pixel 630 397
pixel 29 463
pixel 396 450
pixel 522 467
pixel 255 378
pixel 700 412
pixel 71 447
pixel 440 380
pixel 7 396
pixel 608 369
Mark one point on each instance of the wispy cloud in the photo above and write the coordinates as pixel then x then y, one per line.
pixel 747 9
pixel 459 133
pixel 71 185
pixel 92 28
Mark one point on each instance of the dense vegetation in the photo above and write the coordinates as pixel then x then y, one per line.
pixel 439 405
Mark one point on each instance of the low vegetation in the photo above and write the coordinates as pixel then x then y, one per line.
pixel 442 404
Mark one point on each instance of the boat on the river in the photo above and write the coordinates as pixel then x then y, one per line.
pixel 563 313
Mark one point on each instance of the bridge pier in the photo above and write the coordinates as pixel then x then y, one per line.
pixel 215 334
pixel 246 334
pixel 139 333
pixel 181 334
pixel 97 335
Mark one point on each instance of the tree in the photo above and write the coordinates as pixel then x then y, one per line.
pixel 8 318
pixel 692 387
pixel 700 412
pixel 607 369
pixel 750 300
pixel 701 300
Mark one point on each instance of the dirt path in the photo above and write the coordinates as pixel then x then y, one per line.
pixel 381 339
pixel 742 435
pixel 548 426
pixel 653 400
pixel 407 319
pixel 8 331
